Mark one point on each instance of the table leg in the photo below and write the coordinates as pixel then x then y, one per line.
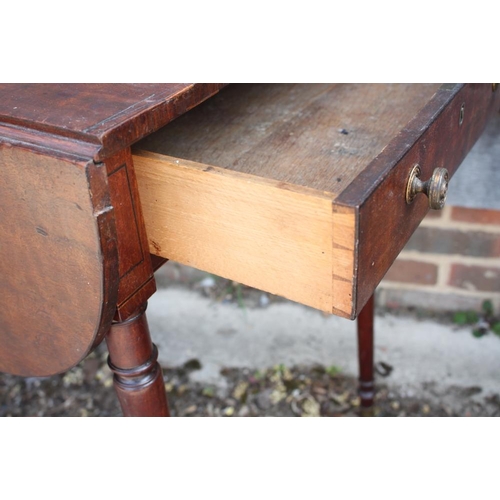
pixel 138 379
pixel 365 354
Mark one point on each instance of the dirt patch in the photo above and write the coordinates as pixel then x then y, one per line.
pixel 87 390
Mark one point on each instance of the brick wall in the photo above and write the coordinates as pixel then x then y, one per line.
pixel 452 262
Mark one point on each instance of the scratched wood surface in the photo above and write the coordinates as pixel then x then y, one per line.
pixel 436 138
pixel 113 115
pixel 320 136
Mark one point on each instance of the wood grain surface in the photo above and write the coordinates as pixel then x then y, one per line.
pixel 243 227
pixel 319 136
pixel 267 194
pixel 58 260
pixel 435 138
pixel 112 115
pixel 137 282
pixel 73 249
pixel 133 359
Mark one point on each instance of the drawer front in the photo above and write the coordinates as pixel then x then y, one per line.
pixel 440 136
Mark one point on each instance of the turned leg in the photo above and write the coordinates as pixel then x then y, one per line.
pixel 138 378
pixel 365 354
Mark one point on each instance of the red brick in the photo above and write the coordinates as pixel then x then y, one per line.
pixel 434 214
pixel 476 215
pixel 411 271
pixel 484 279
pixel 452 241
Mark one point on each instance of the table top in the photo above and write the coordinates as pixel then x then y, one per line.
pixel 114 116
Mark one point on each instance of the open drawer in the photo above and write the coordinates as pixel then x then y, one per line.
pixel 300 190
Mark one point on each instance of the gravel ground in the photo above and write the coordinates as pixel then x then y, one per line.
pixel 87 391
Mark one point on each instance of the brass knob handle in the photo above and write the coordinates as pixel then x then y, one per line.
pixel 435 188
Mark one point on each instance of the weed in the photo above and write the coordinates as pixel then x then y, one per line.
pixel 465 317
pixel 333 370
pixel 483 323
pixel 209 392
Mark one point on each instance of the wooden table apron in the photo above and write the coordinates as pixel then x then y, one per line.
pixel 74 249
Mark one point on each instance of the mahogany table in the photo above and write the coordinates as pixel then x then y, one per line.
pixel 306 191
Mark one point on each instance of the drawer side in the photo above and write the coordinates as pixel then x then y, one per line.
pixel 262 233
